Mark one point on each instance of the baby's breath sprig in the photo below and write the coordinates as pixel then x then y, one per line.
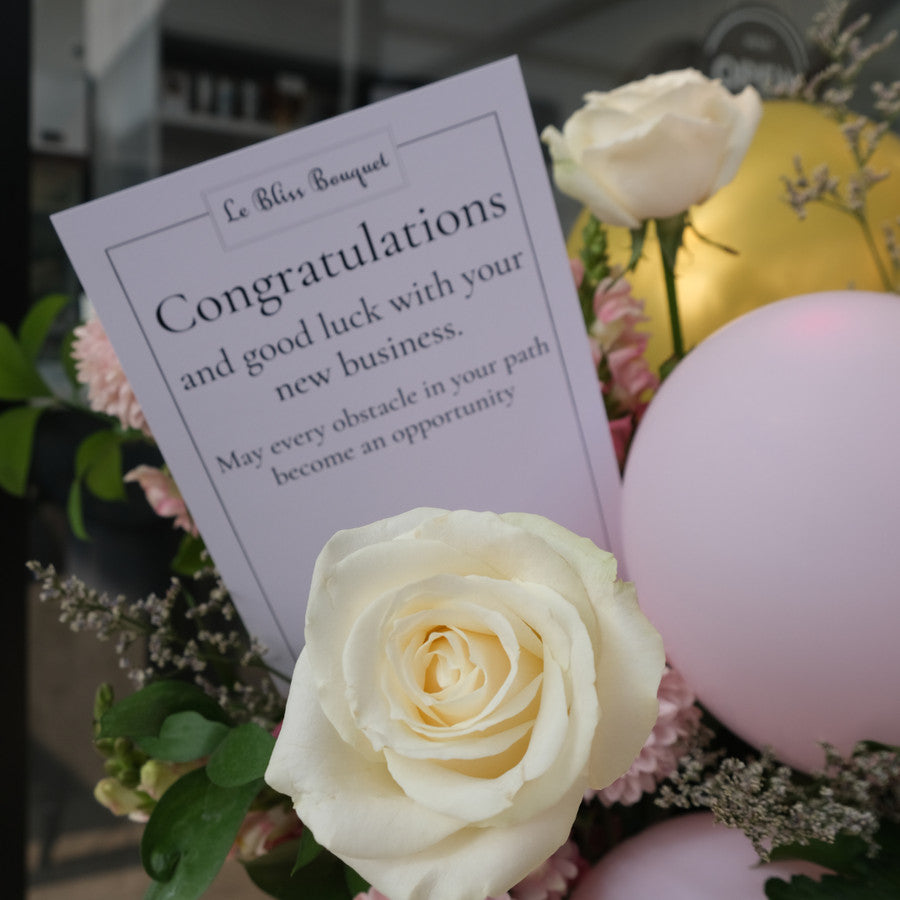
pixel 834 88
pixel 776 806
pixel 175 634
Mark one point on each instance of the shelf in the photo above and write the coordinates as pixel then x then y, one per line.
pixel 213 124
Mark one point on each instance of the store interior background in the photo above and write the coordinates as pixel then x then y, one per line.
pixel 126 90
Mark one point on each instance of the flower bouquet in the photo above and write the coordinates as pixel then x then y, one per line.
pixel 482 708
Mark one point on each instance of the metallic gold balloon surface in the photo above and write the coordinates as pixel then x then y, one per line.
pixel 778 255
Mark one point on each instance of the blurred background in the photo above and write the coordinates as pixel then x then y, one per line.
pixel 103 94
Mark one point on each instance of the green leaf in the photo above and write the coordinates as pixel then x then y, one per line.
pixel 190 556
pixel 37 323
pixel 17 429
pixel 184 736
pixel 307 851
pixel 19 379
pixel 355 882
pixel 876 886
pixel 859 876
pixel 189 834
pixel 668 367
pixel 638 236
pixel 68 363
pixel 75 511
pixel 322 879
pixel 242 756
pixel 842 855
pixel 98 461
pixel 142 713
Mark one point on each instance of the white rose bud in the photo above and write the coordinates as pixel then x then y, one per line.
pixel 653 148
pixel 466 677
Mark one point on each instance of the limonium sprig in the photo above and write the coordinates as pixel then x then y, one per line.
pixel 777 806
pixel 834 88
pixel 178 635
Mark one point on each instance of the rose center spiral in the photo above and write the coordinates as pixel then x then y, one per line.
pixel 445 663
pixel 455 672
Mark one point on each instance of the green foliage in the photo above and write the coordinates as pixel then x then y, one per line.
pixel 99 457
pixel 595 257
pixel 37 323
pixel 98 466
pixel 184 736
pixel 142 714
pixel 17 429
pixel 19 378
pixel 189 834
pixel 103 700
pixel 75 511
pixel 857 874
pixel 190 557
pixel 98 463
pixel 241 757
pixel 308 849
pixel 195 822
pixel 638 237
pixel 355 882
pixel 68 362
pixel 323 876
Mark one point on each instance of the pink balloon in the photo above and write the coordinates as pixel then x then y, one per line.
pixel 761 522
pixel 688 858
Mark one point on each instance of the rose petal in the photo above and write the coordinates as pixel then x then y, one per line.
pixel 639 166
pixel 475 862
pixel 653 148
pixel 629 653
pixel 337 600
pixel 571 179
pixel 380 818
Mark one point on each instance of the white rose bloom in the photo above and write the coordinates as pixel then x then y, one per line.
pixel 653 148
pixel 466 676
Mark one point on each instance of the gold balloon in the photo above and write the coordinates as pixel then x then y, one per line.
pixel 779 255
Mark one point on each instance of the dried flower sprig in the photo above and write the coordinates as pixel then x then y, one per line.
pixel 776 806
pixel 173 633
pixel 834 88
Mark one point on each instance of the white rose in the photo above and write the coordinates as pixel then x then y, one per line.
pixel 653 148
pixel 466 676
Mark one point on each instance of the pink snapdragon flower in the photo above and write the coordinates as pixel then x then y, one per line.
pixel 617 349
pixel 617 314
pixel 621 430
pixel 121 800
pixel 98 368
pixel 163 496
pixel 631 379
pixel 679 718
pixel 263 830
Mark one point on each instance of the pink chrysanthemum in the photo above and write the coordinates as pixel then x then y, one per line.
pixel 163 496
pixel 373 894
pixel 99 368
pixel 551 880
pixel 679 717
